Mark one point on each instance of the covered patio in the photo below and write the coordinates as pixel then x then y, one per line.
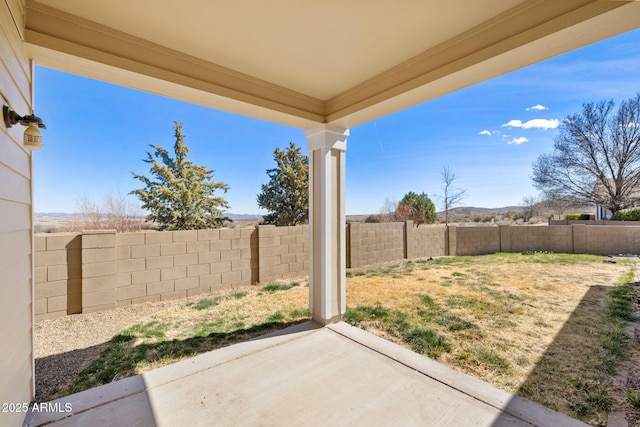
pixel 324 67
pixel 307 374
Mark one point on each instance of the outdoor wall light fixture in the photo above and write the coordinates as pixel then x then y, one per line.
pixel 32 136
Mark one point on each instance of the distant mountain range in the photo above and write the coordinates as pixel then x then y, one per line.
pixel 470 210
pixel 60 217
pixel 244 217
pixel 454 212
pixel 63 216
pixel 54 216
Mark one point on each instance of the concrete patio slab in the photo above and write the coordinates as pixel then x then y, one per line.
pixel 336 375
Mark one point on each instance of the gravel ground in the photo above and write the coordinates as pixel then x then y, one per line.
pixel 66 345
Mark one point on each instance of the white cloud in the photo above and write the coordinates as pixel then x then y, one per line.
pixel 533 124
pixel 518 141
pixel 513 124
pixel 490 132
pixel 537 108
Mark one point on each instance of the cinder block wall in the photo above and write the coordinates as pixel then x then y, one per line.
pixel 575 238
pixel 156 266
pixel 585 222
pixel 476 240
pixel 58 275
pixel 282 252
pixel 101 270
pixel 608 223
pixel 426 241
pixel 567 239
pixel 372 243
pixel 554 238
pixel 613 240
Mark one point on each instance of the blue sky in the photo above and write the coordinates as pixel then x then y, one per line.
pixel 488 135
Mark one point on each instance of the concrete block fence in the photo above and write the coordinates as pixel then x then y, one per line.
pixel 607 222
pixel 101 270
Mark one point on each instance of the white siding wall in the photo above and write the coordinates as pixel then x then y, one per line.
pixel 16 365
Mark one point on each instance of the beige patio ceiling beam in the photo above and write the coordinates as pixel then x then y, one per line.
pixel 51 31
pixel 526 23
pixel 517 36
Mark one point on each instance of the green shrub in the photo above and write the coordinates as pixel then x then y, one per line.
pixel 578 217
pixel 632 214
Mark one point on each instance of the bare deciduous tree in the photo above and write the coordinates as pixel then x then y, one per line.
pixel 393 211
pixel 561 205
pixel 113 213
pixel 531 205
pixel 595 158
pixel 450 196
pixel 388 211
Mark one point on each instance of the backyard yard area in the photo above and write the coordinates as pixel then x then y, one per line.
pixel 549 327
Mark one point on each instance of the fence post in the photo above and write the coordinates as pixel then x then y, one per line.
pixel 450 241
pixel 505 238
pixel 99 270
pixel 348 245
pixel 409 246
pixel 579 233
pixel 355 245
pixel 267 260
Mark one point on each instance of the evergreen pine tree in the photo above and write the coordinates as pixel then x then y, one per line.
pixel 417 207
pixel 286 195
pixel 180 196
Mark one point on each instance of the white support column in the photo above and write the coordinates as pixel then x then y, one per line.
pixel 327 241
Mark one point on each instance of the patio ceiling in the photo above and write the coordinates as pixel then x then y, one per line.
pixel 302 63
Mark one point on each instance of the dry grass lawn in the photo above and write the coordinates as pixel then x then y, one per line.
pixel 516 309
pixel 532 325
pixel 535 325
